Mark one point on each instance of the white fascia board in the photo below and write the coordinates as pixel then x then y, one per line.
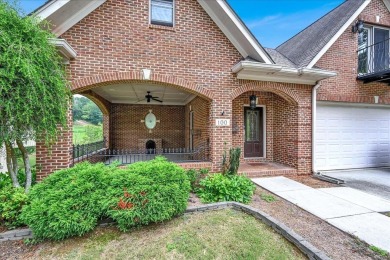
pixel 338 34
pixel 209 7
pixel 77 17
pixel 64 48
pixel 51 7
pixel 277 73
pixel 244 31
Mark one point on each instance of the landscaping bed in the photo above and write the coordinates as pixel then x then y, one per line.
pixel 224 234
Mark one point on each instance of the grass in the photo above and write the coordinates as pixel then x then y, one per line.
pixel 379 251
pixel 87 133
pixel 268 197
pixel 225 234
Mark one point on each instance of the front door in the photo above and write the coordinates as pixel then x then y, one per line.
pixel 253 146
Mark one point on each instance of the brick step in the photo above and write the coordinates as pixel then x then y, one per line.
pixel 269 173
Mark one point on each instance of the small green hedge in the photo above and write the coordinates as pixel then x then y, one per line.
pixel 12 201
pixel 70 202
pixel 219 187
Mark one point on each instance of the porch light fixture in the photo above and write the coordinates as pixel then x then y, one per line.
pixel 252 101
pixel 358 26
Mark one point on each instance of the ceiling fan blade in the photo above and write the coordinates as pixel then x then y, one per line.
pixel 155 99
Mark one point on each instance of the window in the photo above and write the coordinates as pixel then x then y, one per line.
pixel 373 50
pixel 161 12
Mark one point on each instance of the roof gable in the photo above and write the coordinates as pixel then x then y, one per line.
pixel 63 14
pixel 308 46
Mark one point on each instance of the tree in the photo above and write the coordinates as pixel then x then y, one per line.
pixel 34 96
pixel 87 110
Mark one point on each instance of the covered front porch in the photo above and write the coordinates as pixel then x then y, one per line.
pixel 143 120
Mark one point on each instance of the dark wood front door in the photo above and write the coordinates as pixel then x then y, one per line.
pixel 253 146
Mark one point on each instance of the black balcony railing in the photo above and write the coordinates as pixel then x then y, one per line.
pixel 374 62
pixel 84 151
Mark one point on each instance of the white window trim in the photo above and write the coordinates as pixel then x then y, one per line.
pixel 264 133
pixel 173 14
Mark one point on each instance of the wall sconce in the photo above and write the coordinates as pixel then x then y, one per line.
pixel 358 26
pixel 146 74
pixel 252 101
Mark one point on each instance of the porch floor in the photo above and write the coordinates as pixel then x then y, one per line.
pixel 265 169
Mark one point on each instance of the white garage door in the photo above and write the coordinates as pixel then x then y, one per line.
pixel 352 137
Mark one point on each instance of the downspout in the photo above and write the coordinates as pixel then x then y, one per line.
pixel 313 126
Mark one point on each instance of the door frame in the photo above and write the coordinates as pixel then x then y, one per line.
pixel 264 116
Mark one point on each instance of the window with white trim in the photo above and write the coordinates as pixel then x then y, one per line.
pixel 162 12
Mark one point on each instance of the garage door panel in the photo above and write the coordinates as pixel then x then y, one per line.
pixel 352 137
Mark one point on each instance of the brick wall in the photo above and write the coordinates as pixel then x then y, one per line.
pixel 127 129
pixel 342 57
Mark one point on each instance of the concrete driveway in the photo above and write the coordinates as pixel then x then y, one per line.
pixel 375 181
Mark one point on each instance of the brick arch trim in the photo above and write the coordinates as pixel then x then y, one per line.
pixel 79 86
pixel 102 104
pixel 283 90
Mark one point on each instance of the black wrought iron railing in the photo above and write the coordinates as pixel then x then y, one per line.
pixel 129 156
pixel 98 152
pixel 374 59
pixel 83 151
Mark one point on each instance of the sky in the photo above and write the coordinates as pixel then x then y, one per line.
pixel 271 21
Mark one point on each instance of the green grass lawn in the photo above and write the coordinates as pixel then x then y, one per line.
pixel 224 234
pixel 87 133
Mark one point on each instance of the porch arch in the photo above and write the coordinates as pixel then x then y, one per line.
pixel 102 104
pixel 79 86
pixel 283 90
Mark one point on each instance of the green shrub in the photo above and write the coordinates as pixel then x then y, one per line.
pixel 5 179
pixel 68 202
pixel 219 187
pixel 147 192
pixel 12 201
pixel 194 176
pixel 230 166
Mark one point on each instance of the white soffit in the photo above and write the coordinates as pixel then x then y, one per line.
pixel 277 73
pixel 63 14
pixel 64 48
pixel 134 93
pixel 235 30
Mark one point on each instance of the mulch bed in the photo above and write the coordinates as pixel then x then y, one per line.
pixel 335 243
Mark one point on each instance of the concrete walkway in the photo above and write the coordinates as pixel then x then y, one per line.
pixel 350 210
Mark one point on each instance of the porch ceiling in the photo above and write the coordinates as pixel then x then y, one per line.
pixel 134 93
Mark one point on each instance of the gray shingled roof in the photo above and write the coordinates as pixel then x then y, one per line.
pixel 279 58
pixel 303 47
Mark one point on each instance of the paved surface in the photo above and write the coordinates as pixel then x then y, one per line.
pixel 348 209
pixel 374 181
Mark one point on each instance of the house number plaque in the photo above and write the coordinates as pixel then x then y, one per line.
pixel 222 122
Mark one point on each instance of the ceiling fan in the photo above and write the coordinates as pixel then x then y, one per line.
pixel 149 97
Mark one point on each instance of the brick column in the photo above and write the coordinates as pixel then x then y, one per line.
pixel 220 137
pixel 58 156
pixel 304 138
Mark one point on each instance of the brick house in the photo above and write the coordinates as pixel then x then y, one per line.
pixel 202 62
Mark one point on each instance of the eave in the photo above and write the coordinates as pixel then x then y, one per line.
pixel 64 48
pixel 278 73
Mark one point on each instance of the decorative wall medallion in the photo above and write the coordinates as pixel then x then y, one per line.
pixel 150 121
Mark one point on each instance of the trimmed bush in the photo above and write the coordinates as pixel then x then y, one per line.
pixel 12 201
pixel 147 192
pixel 68 202
pixel 219 187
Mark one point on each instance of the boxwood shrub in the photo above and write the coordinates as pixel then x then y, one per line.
pixel 147 192
pixel 70 202
pixel 219 187
pixel 12 201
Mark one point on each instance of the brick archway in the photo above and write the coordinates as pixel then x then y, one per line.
pixel 283 90
pixel 102 104
pixel 81 85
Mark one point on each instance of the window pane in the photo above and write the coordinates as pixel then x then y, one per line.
pixel 363 52
pixel 162 11
pixel 381 49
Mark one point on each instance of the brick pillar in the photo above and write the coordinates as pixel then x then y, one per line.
pixel 106 129
pixel 304 138
pixel 220 136
pixel 59 155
